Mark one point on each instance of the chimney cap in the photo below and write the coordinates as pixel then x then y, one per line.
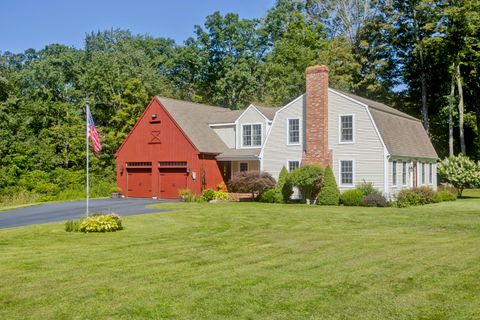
pixel 317 69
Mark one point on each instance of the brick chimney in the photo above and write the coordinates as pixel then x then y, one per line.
pixel 316 117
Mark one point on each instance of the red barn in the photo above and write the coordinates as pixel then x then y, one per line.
pixel 170 148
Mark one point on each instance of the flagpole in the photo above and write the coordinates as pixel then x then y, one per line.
pixel 87 186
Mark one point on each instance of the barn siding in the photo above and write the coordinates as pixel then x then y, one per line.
pixel 163 141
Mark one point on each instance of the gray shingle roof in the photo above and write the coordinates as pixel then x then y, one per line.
pixel 239 153
pixel 402 134
pixel 193 119
pixel 268 112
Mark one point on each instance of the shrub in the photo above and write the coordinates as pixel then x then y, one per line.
pixel 182 193
pixel 308 179
pixel 253 182
pixel 448 188
pixel 282 178
pixel 367 188
pixel 272 196
pixel 426 194
pixel 329 194
pixel 193 198
pixel 374 200
pixel 284 185
pixel 222 187
pixel 220 195
pixel 208 194
pixel 72 225
pixel 101 223
pixel 408 198
pixel 460 171
pixel 443 195
pixel 352 197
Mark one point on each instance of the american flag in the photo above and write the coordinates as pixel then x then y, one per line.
pixel 92 133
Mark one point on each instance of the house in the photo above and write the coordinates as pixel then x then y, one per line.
pixel 177 144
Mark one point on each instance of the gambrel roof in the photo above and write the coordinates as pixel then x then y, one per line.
pixel 402 134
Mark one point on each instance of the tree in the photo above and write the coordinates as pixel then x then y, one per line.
pixel 461 172
pixel 329 194
pixel 308 179
pixel 413 21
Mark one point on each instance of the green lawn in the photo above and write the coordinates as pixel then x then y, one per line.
pixel 251 261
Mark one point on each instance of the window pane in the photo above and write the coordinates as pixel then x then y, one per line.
pixel 430 173
pixel 394 173
pixel 247 135
pixel 346 128
pixel 292 165
pixel 243 166
pixel 257 134
pixel 346 172
pixel 293 130
pixel 404 173
pixel 423 173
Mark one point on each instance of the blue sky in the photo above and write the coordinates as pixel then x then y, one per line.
pixel 33 24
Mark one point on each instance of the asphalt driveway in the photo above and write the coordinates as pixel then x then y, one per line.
pixel 62 211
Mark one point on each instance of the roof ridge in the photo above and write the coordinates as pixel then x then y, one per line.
pixel 398 113
pixel 220 108
pixel 379 106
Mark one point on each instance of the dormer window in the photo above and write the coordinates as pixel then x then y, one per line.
pixel 251 135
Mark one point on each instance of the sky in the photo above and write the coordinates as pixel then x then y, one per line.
pixel 34 24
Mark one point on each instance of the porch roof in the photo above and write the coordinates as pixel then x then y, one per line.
pixel 239 154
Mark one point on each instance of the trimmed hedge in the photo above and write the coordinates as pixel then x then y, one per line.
pixel 271 196
pixel 329 194
pixel 352 197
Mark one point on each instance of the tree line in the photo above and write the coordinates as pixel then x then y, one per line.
pixel 419 56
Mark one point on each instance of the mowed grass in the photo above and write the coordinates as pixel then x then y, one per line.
pixel 251 261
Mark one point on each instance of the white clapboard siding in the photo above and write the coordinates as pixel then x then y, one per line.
pixel 251 116
pixel 277 152
pixel 367 151
pixel 394 189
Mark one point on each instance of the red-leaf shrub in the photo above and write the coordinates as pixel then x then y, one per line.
pixel 253 182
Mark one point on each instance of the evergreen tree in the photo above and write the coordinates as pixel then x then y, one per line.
pixel 329 194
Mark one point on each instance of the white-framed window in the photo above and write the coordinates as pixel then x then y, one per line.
pixel 394 173
pixel 423 173
pixel 404 173
pixel 430 173
pixel 243 166
pixel 346 172
pixel 252 135
pixel 292 165
pixel 346 129
pixel 293 131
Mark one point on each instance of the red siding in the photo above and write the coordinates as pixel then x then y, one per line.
pixel 160 139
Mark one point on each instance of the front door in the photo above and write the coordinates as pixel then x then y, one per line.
pixel 226 170
pixel 171 181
